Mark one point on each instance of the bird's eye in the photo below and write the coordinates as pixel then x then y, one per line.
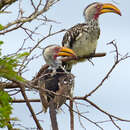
pixel 98 7
pixel 57 49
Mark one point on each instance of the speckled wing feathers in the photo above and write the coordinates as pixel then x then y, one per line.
pixel 73 34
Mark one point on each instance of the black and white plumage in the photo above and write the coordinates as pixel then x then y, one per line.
pixel 60 82
pixel 82 38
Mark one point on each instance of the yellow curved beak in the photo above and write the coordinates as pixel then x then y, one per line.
pixel 109 8
pixel 64 51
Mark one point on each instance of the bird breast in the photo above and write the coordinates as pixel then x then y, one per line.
pixel 85 44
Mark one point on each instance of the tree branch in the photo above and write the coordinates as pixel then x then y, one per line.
pixel 30 107
pixel 3 3
pixel 117 61
pixel 52 111
pixel 23 101
pixel 71 115
pixel 108 114
pixel 85 117
pixel 31 17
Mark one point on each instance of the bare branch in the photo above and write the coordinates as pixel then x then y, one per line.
pixel 25 59
pixel 114 123
pixel 85 118
pixel 71 115
pixel 52 111
pixel 4 3
pixel 31 17
pixel 117 61
pixel 23 101
pixel 80 118
pixel 30 107
pixel 98 108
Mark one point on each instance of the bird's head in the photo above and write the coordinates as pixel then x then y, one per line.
pixel 52 52
pixel 95 9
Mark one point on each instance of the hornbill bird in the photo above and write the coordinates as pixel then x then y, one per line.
pixel 82 38
pixel 55 78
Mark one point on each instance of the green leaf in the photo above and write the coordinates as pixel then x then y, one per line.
pixel 5 109
pixel 1 42
pixel 1 27
pixel 22 55
pixel 8 67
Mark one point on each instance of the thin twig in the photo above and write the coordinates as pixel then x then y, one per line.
pixel 71 115
pixel 101 110
pixel 23 101
pixel 117 61
pixel 114 123
pixel 31 17
pixel 80 118
pixel 86 118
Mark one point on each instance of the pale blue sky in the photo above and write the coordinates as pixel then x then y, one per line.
pixel 114 95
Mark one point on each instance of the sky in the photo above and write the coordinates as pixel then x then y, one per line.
pixel 113 96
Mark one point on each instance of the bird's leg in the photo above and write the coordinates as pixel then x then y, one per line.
pixel 91 55
pixel 91 61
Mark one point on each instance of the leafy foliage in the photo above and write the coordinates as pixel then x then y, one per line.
pixel 1 42
pixel 9 64
pixel 1 27
pixel 8 67
pixel 5 109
